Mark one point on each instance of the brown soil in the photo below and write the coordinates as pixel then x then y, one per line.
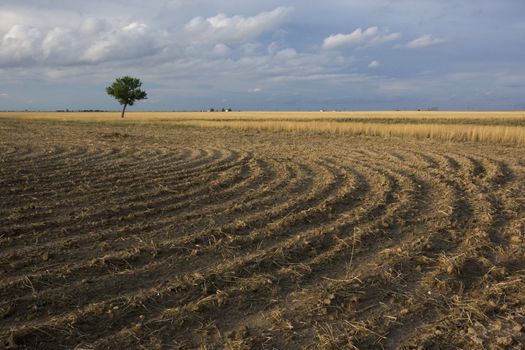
pixel 154 237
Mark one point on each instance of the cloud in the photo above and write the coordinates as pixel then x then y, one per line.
pixel 20 44
pixel 236 29
pixel 286 54
pixel 221 50
pixel 92 26
pixel 93 41
pixel 60 46
pixel 255 90
pixel 188 49
pixel 3 94
pixel 369 37
pixel 251 48
pixel 134 40
pixel 374 64
pixel 426 40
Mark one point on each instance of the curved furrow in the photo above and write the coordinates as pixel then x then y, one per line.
pixel 43 160
pixel 113 174
pixel 138 169
pixel 244 189
pixel 146 271
pixel 212 200
pixel 7 150
pixel 168 197
pixel 466 207
pixel 145 200
pixel 407 277
pixel 347 207
pixel 33 191
pixel 490 195
pixel 208 232
pixel 215 158
pixel 192 240
pixel 330 216
pixel 473 170
pixel 464 251
pixel 253 193
pixel 183 202
pixel 243 287
pixel 498 172
pixel 484 265
pixel 388 222
pixel 277 218
pixel 72 199
pixel 77 191
pixel 451 163
pixel 292 242
pixel 413 209
pixel 313 266
pixel 477 168
pixel 492 188
pixel 46 168
pixel 17 160
pixel 337 288
pixel 97 164
pixel 310 210
pixel 257 241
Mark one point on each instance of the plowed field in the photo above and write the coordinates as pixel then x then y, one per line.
pixel 161 237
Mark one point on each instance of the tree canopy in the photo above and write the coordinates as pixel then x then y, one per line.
pixel 126 90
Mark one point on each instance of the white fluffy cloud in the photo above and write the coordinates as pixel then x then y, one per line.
pixel 134 40
pixel 91 26
pixel 286 54
pixel 221 50
pixel 20 44
pixel 369 37
pixel 97 40
pixel 224 29
pixel 188 49
pixel 93 41
pixel 425 41
pixel 374 64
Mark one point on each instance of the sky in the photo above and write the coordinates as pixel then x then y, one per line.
pixel 264 55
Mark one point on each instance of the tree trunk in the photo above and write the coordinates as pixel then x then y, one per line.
pixel 123 111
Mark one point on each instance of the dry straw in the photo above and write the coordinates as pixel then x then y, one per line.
pixel 509 135
pixel 490 127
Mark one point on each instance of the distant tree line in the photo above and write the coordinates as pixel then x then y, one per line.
pixel 80 110
pixel 221 110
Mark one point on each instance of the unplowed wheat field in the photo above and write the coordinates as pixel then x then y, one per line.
pixel 161 236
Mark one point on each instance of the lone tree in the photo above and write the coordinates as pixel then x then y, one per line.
pixel 126 91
